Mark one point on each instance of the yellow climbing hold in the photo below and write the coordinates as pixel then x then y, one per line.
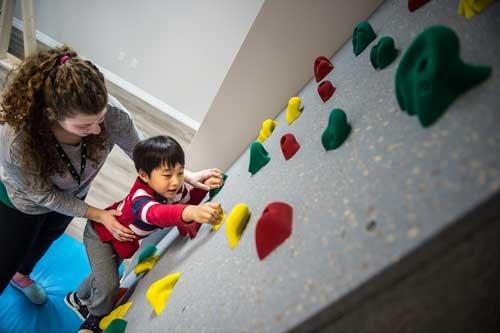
pixel 293 111
pixel 268 126
pixel 159 292
pixel 146 265
pixel 217 226
pixel 470 8
pixel 118 313
pixel 236 223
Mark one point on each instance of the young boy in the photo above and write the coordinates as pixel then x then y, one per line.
pixel 158 199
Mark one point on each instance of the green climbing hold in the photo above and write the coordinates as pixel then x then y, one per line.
pixel 149 250
pixel 215 191
pixel 258 157
pixel 383 53
pixel 4 198
pixel 337 131
pixel 116 326
pixel 362 36
pixel 431 74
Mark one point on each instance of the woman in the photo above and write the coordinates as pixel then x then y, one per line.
pixel 57 130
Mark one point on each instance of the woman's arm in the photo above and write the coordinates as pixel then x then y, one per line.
pixel 123 131
pixel 31 190
pixel 108 219
pixel 197 178
pixel 27 191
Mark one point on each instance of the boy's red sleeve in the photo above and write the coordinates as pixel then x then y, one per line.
pixel 154 213
pixel 149 213
pixel 164 215
pixel 168 216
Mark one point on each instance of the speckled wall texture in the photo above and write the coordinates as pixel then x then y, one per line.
pixel 412 182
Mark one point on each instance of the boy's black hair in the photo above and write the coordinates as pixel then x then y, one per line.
pixel 157 151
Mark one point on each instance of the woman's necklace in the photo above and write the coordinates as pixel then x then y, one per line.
pixel 76 176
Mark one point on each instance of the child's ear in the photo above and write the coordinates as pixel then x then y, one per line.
pixel 143 175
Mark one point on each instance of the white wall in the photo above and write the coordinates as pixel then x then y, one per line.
pixel 273 64
pixel 177 51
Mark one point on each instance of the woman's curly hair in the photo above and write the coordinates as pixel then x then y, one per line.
pixel 58 83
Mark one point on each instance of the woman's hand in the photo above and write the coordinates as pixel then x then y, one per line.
pixel 214 182
pixel 197 178
pixel 108 219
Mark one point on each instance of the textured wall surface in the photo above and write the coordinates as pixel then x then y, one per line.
pixel 414 183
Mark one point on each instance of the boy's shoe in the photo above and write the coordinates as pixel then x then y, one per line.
pixel 91 325
pixel 32 290
pixel 74 303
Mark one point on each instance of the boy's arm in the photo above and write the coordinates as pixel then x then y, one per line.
pixel 161 215
pixel 154 213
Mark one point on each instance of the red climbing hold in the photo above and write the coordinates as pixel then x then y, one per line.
pixel 326 90
pixel 413 5
pixel 273 228
pixel 322 66
pixel 189 229
pixel 119 294
pixel 289 145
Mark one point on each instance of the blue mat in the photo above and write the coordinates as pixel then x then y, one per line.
pixel 60 271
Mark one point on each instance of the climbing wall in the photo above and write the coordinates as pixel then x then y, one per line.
pixel 359 210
